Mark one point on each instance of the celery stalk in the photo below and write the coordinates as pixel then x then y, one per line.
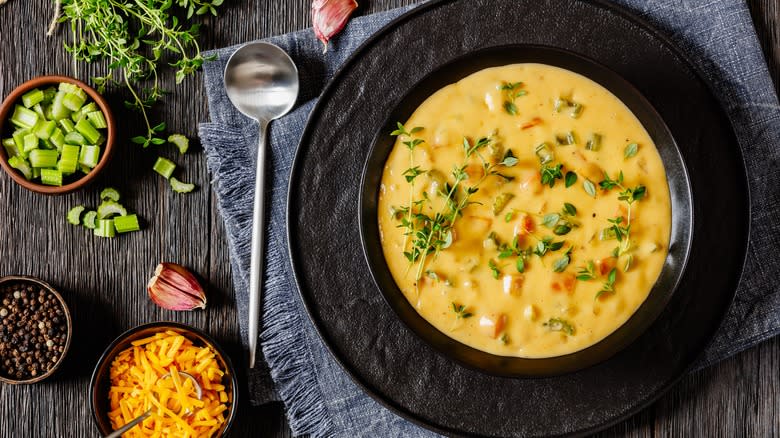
pixel 10 147
pixel 105 228
pixel 19 164
pixel 30 142
pixel 23 117
pixel 75 138
pixel 164 167
pixel 90 219
pixel 44 128
pixel 73 101
pixel 51 177
pixel 57 139
pixel 89 155
pixel 109 194
pixel 180 141
pixel 39 110
pixel 181 187
pixel 97 119
pixel 69 159
pixel 88 131
pixel 109 208
pixel 32 98
pixel 74 214
pixel 43 158
pixel 58 109
pixel 124 224
pixel 67 126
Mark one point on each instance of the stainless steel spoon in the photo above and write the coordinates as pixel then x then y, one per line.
pixel 262 82
pixel 131 424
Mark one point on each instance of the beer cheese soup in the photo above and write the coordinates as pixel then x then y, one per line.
pixel 524 211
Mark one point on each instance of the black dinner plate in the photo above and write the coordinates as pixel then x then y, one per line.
pixel 366 337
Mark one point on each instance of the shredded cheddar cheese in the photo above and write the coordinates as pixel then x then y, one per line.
pixel 153 375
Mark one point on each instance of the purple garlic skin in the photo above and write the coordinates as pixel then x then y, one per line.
pixel 173 287
pixel 329 17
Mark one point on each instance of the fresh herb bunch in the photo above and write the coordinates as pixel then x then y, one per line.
pixel 136 37
pixel 430 234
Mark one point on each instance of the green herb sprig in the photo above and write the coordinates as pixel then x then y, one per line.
pixel 460 311
pixel 563 262
pixel 136 37
pixel 609 285
pixel 587 272
pixel 411 173
pixel 431 234
pixel 506 250
pixel 563 222
pixel 629 195
pixel 512 90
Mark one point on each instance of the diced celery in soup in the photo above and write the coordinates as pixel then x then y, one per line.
pixel 524 211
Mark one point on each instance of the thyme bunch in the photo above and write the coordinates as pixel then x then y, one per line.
pixel 137 38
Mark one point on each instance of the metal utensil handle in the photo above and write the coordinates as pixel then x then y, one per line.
pixel 256 265
pixel 118 433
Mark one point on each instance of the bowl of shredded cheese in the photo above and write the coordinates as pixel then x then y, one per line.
pixel 157 368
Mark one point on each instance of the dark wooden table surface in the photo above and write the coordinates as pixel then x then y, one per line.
pixel 104 280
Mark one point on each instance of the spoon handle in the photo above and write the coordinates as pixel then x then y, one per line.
pixel 118 433
pixel 256 265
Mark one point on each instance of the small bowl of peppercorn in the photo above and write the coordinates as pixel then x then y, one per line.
pixel 35 330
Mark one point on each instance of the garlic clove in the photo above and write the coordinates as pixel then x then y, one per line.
pixel 329 17
pixel 173 287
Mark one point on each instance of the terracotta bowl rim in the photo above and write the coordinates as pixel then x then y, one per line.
pixel 103 365
pixel 108 147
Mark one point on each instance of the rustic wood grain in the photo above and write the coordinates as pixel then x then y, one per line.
pixel 104 280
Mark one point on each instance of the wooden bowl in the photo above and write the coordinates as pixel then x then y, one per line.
pixel 108 148
pixel 100 381
pixel 66 311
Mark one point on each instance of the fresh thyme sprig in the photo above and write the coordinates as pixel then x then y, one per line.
pixel 512 90
pixel 549 171
pixel 609 285
pixel 629 196
pixel 587 272
pixel 495 270
pixel 460 311
pixel 545 245
pixel 561 264
pixel 431 234
pixel 136 37
pixel 563 222
pixel 411 173
pixel 512 249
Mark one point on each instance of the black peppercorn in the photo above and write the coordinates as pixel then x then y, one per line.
pixel 33 332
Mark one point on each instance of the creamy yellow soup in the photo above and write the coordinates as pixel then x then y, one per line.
pixel 489 235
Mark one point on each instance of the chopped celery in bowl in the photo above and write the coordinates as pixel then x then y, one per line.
pixel 56 134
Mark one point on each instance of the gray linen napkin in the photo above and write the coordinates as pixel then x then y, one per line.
pixel 320 398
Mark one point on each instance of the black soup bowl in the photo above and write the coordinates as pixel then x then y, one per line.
pixel 679 188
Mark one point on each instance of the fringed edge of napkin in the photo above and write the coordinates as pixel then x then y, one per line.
pixel 290 358
pixel 292 371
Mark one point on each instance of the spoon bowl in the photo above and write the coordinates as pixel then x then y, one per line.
pixel 262 82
